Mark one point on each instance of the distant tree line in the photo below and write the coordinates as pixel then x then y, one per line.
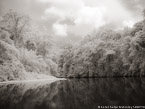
pixel 106 52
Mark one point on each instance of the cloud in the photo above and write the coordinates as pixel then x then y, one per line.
pixel 81 16
pixel 63 8
pixel 90 16
pixel 87 15
pixel 129 23
pixel 60 29
pixel 56 12
pixel 78 17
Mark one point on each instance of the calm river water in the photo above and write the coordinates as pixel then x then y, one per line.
pixel 73 94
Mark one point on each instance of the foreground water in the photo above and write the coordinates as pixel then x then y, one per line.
pixel 73 94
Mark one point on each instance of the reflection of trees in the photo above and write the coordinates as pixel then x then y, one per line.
pixel 26 96
pixel 74 94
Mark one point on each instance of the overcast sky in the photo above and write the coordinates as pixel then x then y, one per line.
pixel 74 18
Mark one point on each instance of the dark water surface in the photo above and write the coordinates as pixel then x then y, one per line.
pixel 73 94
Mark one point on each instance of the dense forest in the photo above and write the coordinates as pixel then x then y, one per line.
pixel 26 52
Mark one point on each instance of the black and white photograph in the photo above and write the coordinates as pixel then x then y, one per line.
pixel 72 54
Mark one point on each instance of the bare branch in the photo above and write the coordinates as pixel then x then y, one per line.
pixel 5 29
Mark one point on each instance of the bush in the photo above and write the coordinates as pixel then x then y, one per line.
pixel 12 71
pixel 32 62
pixel 10 66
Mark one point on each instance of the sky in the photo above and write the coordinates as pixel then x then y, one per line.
pixel 74 19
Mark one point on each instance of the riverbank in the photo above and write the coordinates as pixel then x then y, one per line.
pixel 34 78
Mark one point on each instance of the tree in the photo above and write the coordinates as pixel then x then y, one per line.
pixel 44 47
pixel 144 13
pixel 136 28
pixel 15 24
pixel 144 21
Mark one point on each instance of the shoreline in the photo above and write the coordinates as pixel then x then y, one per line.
pixel 31 80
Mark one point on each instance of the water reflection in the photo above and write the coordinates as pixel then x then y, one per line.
pixel 73 94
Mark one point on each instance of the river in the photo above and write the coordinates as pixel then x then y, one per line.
pixel 73 93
